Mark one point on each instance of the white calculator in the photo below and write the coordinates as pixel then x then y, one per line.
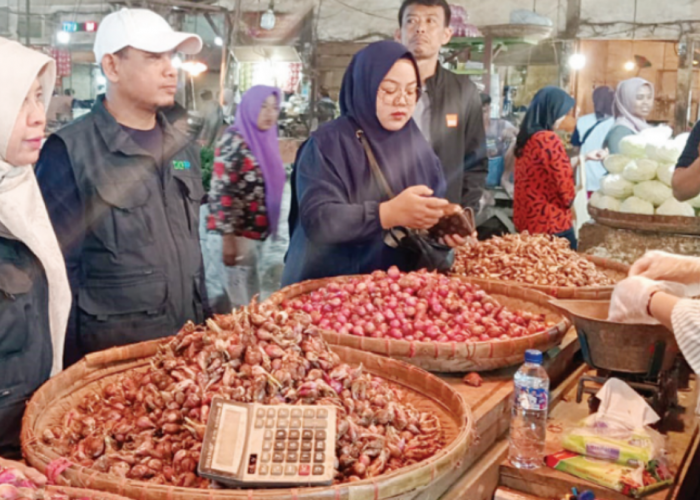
pixel 255 445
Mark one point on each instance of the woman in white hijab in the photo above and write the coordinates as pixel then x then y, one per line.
pixel 34 293
pixel 634 100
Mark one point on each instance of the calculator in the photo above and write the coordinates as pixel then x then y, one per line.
pixel 255 445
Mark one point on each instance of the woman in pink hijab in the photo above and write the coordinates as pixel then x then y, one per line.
pixel 634 100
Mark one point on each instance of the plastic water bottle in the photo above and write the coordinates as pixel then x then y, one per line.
pixel 528 424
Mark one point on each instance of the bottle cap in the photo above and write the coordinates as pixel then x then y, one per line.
pixel 533 356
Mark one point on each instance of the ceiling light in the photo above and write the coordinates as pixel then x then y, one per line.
pixel 194 68
pixel 577 61
pixel 267 21
pixel 630 66
pixel 218 41
pixel 63 37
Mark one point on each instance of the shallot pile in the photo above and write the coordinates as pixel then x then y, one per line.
pixel 15 484
pixel 527 258
pixel 149 424
pixel 418 306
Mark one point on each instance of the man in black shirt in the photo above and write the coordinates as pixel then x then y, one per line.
pixel 123 188
pixel 449 110
pixel 686 177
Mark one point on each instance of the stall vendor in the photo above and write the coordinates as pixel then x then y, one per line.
pixel 123 188
pixel 34 291
pixel 339 211
pixel 649 296
pixel 634 100
pixel 686 177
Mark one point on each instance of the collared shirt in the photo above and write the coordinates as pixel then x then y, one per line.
pixel 421 115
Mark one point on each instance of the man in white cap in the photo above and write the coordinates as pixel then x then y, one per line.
pixel 123 189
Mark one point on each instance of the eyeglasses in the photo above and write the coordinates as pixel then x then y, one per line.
pixel 391 96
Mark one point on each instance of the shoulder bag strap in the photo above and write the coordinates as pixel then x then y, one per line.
pixel 376 171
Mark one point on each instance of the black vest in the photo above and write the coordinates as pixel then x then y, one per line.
pixel 26 354
pixel 141 263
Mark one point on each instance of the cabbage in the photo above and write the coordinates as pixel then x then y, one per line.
pixel 674 207
pixel 634 205
pixel 599 200
pixel 640 170
pixel 657 135
pixel 665 173
pixel 694 202
pixel 668 152
pixel 654 192
pixel 617 187
pixel 634 146
pixel 615 164
pixel 681 140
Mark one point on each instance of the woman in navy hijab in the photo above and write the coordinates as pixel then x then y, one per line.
pixel 339 213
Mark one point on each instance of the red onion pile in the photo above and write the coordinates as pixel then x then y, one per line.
pixel 418 306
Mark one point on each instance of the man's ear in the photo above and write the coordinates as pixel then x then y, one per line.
pixel 110 67
pixel 397 35
pixel 447 36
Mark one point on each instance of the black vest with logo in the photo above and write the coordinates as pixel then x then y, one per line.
pixel 141 263
pixel 26 353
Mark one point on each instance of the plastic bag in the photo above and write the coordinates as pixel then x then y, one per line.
pixel 608 441
pixel 634 481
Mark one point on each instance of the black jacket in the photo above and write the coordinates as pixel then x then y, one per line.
pixel 460 144
pixel 26 354
pixel 137 272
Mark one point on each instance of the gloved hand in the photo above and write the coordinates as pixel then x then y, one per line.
pixel 631 297
pixel 664 266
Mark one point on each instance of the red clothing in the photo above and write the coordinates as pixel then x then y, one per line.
pixel 544 186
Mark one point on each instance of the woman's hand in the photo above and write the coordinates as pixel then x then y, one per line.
pixel 32 474
pixel 597 155
pixel 631 298
pixel 664 266
pixel 230 250
pixel 413 208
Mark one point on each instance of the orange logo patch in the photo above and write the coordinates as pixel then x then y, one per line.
pixel 452 120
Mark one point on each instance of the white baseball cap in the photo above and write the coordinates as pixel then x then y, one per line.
pixel 141 29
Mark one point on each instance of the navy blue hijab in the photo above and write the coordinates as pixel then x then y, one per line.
pixel 405 157
pixel 548 105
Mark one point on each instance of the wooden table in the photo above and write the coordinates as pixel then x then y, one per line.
pixel 681 428
pixel 477 477
pixel 486 467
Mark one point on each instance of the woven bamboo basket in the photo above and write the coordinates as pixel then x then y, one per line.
pixel 616 270
pixel 453 356
pixel 426 392
pixel 638 222
pixel 82 493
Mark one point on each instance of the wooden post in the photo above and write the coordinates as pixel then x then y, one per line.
pixel 573 18
pixel 684 82
pixel 564 50
pixel 488 64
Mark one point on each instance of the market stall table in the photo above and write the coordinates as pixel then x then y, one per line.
pixel 477 477
pixel 681 429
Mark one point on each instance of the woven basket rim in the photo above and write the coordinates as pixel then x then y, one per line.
pixel 40 454
pixel 448 356
pixel 664 223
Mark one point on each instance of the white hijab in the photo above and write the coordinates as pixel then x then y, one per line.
pixel 623 105
pixel 23 215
